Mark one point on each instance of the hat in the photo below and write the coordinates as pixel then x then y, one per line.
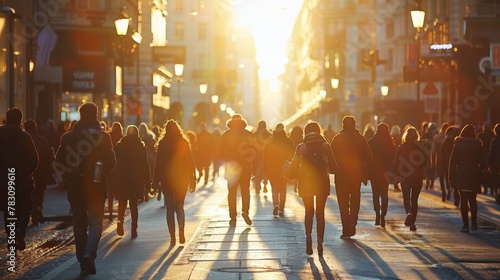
pixel 236 121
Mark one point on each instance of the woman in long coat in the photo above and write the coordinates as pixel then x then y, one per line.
pixel 277 150
pixel 116 134
pixel 131 176
pixel 383 151
pixel 174 173
pixel 316 187
pixel 466 165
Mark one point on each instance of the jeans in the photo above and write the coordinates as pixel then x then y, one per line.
pixel 244 184
pixel 175 204
pixel 411 191
pixel 349 199
pixel 380 189
pixel 320 215
pixel 468 199
pixel 134 212
pixel 279 192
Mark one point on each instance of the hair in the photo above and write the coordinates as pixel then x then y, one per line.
pixel 30 126
pixel 348 122
pixel 444 127
pixel 411 135
pixel 88 111
pixel 172 132
pixel 468 131
pixel 496 130
pixel 312 126
pixel 395 130
pixel 117 127
pixel 14 116
pixel 132 130
pixel 452 131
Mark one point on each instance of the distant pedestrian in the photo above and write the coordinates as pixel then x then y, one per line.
pixel 466 165
pixel 277 150
pixel 369 131
pixel 44 172
pixel 410 161
pixel 175 173
pixel 438 162
pixel 132 180
pixel 352 152
pixel 494 163
pixel 205 145
pixel 486 135
pixel 86 156
pixel 397 140
pixel 260 137
pixel 18 161
pixel 316 161
pixel 297 136
pixel 217 161
pixel 116 135
pixel 451 133
pixel 383 151
pixel 428 139
pixel 238 153
pixel 330 133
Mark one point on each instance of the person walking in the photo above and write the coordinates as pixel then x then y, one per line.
pixel 174 173
pixel 297 136
pixel 466 165
pixel 315 161
pixel 494 163
pixel 85 170
pixel 18 162
pixel 205 144
pixel 43 173
pixel 278 149
pixel 410 162
pixel 260 137
pixel 238 153
pixel 132 180
pixel 383 151
pixel 116 134
pixel 397 140
pixel 352 152
pixel 217 161
pixel 486 135
pixel 437 161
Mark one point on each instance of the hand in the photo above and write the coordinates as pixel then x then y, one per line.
pixel 192 188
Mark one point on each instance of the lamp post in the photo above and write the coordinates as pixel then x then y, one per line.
pixel 10 14
pixel 178 71
pixel 203 91
pixel 384 90
pixel 121 26
pixel 417 19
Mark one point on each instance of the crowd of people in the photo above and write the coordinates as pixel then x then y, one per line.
pixel 129 164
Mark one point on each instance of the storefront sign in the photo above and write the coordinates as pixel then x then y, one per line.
pixel 83 80
pixel 87 74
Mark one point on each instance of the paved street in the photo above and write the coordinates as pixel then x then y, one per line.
pixel 274 248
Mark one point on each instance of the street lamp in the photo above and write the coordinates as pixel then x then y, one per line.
pixel 203 88
pixel 10 14
pixel 121 26
pixel 334 83
pixel 417 19
pixel 384 90
pixel 178 71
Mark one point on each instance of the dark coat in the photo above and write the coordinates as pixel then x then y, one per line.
pixel 277 150
pixel 466 164
pixel 174 168
pixel 205 144
pixel 18 156
pixel 43 173
pixel 410 162
pixel 352 152
pixel 236 146
pixel 79 151
pixel 384 152
pixel 317 186
pixel 131 176
pixel 494 155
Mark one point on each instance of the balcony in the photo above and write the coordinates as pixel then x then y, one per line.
pixel 481 23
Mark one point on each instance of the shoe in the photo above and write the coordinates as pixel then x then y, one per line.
pixel 377 219
pixel 20 242
pixel 464 229
pixel 232 222
pixel 246 218
pixel 172 240
pixel 134 232
pixel 408 219
pixel 309 249
pixel 345 236
pixel 352 231
pixel 182 238
pixel 413 227
pixel 119 229
pixel 382 221
pixel 448 195
pixel 87 266
pixel 281 213
pixel 320 249
pixel 275 210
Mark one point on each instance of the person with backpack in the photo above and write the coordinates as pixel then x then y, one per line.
pixel 315 161
pixel 352 152
pixel 85 157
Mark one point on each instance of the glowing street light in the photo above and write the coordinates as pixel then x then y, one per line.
pixel 384 90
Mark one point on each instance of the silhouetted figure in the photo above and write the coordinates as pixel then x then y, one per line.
pixel 383 151
pixel 174 173
pixel 297 136
pixel 329 133
pixel 51 133
pixel 206 148
pixel 486 135
pixel 86 156
pixel 451 133
pixel 217 161
pixel 411 159
pixel 43 173
pixel 437 162
pixel 397 140
pixel 466 164
pixel 116 134
pixel 494 163
pixel 238 153
pixel 148 137
pixel 352 153
pixel 131 177
pixel 277 150
pixel 315 159
pixel 260 137
pixel 369 131
pixel 428 139
pixel 18 161
pixel 193 143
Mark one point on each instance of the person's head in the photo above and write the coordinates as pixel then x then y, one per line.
pixel 468 131
pixel 486 126
pixel 117 128
pixel 383 128
pixel 261 125
pixel 30 126
pixel 88 111
pixel 452 131
pixel 444 127
pixel 411 135
pixel 172 131
pixel 143 128
pixel 395 130
pixel 202 127
pixel 312 127
pixel 279 127
pixel 14 116
pixel 496 130
pixel 133 131
pixel 348 122
pixel 236 122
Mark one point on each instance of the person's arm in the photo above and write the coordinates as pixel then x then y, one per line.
pixel 31 155
pixel 332 163
pixel 453 164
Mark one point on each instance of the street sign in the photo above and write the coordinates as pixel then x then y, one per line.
pixel 431 93
pixel 495 56
pixel 430 89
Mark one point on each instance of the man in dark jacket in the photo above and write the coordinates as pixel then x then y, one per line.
pixel 43 174
pixel 18 161
pixel 352 153
pixel 205 142
pixel 85 156
pixel 237 151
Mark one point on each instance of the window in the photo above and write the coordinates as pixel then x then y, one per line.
pixel 178 5
pixel 159 26
pixel 179 31
pixel 202 31
pixel 87 4
pixel 388 64
pixel 389 29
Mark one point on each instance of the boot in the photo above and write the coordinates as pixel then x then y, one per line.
pixel 377 218
pixel 382 221
pixel 309 249
pixel 182 238
pixel 133 230
pixel 172 239
pixel 320 247
pixel 119 228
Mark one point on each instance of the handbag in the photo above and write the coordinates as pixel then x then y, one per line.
pixel 290 170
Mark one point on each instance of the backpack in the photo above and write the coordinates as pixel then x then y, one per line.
pixel 314 161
